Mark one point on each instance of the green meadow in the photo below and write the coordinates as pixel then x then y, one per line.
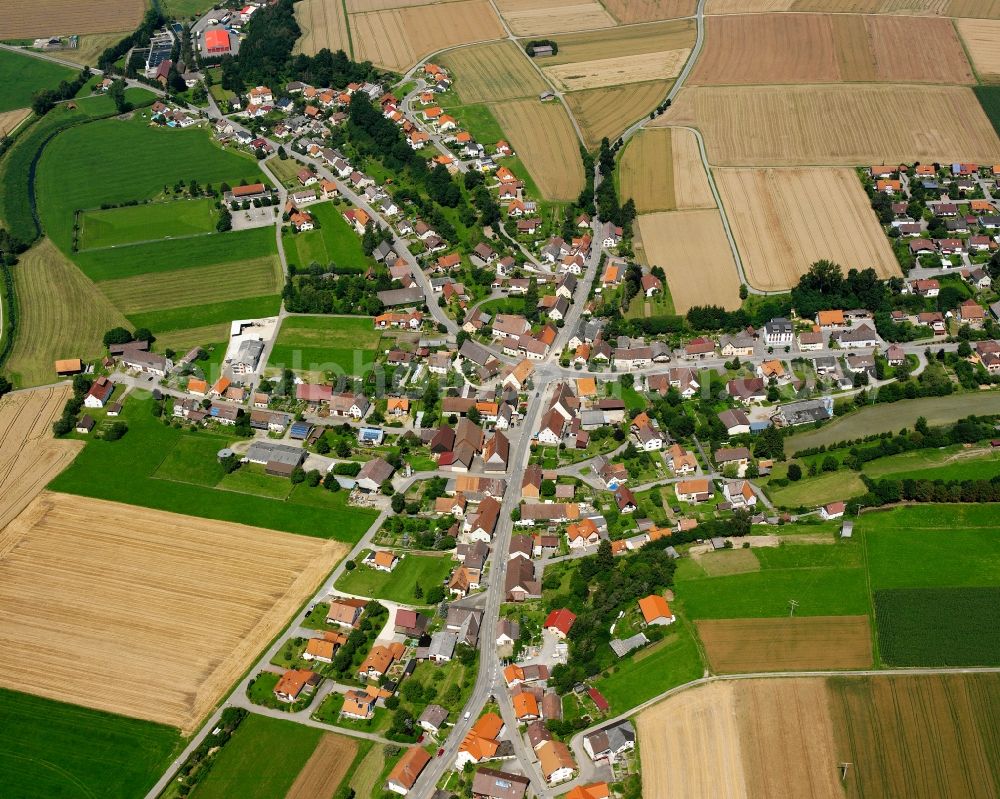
pixel 397 585
pixel 333 242
pixel 157 466
pixel 326 343
pixel 23 75
pixel 135 223
pixel 59 751
pixel 192 316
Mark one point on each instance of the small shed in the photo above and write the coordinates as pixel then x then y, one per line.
pixel 85 425
pixel 300 430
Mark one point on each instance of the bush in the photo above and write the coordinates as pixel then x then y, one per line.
pixel 794 472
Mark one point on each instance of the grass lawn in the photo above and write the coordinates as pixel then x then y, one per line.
pixel 334 241
pixel 176 254
pixel 286 170
pixel 283 746
pixel 397 585
pixel 329 712
pixel 250 478
pixel 23 75
pixel 667 663
pixel 51 749
pixel 479 121
pixel 507 305
pixel 192 460
pixel 125 471
pixel 326 343
pixel 192 316
pixel 813 491
pixel 947 463
pixel 135 223
pixel 111 161
pixel 824 583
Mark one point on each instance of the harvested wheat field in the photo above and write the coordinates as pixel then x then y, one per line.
pixel 830 48
pixel 922 737
pixel 63 315
pixel 61 17
pixel 690 745
pixel 9 120
pixel 544 139
pixel 493 72
pixel 534 17
pixel 358 6
pixel 321 775
pixel 786 737
pixel 161 612
pixel 805 643
pixel 607 112
pixel 784 220
pixel 323 24
pixel 982 38
pixel 29 455
pixel 692 249
pixel 400 37
pixel 633 40
pixel 661 170
pixel 616 71
pixel 983 9
pixel 835 125
pixel 628 12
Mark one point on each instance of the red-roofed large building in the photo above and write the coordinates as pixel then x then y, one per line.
pixel 559 622
pixel 217 42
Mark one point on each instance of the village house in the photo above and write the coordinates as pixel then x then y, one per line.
pixel 294 683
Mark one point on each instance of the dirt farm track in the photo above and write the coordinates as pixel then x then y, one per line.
pixel 159 613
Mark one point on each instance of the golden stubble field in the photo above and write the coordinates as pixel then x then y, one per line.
pixel 616 71
pixel 982 38
pixel 820 48
pixel 983 9
pixel 535 17
pixel 836 124
pixel 493 72
pixel 9 120
pixel 400 37
pixel 325 768
pixel 544 139
pixel 787 644
pixel 692 249
pixel 784 220
pixel 61 18
pixel 607 112
pixel 661 170
pixel 142 612
pixel 29 455
pixel 323 24
pixel 628 12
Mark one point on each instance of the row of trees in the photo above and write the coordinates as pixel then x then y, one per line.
pixel 333 289
pixel 44 100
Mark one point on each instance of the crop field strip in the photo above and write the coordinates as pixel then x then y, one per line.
pixel 323 24
pixel 983 9
pixel 618 70
pixel 692 249
pixel 628 12
pixel 607 112
pixel 784 220
pixel 171 574
pixel 62 315
pixel 398 38
pixel 819 48
pixel 542 135
pixel 634 40
pixel 493 72
pixel 661 170
pixel 326 767
pixel 30 20
pixel 29 455
pixel 835 124
pixel 129 225
pixel 537 17
pixel 982 38
pixel 787 644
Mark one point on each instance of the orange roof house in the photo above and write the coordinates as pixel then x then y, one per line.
pixel 489 725
pixel 384 559
pixel 197 386
pixel 397 405
pixel 319 649
pixel 69 366
pixel 596 790
pixel 405 773
pixel 832 318
pixel 655 610
pixel 525 706
pixel 560 621
pixel 293 682
pixel 586 387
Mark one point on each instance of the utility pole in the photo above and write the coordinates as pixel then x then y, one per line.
pixel 843 771
pixel 792 604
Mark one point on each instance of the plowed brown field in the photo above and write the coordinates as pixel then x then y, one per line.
pixel 152 614
pixel 61 17
pixel 629 12
pixel 692 249
pixel 784 220
pixel 398 38
pixel 830 48
pixel 787 644
pixel 29 455
pixel 835 125
pixel 326 767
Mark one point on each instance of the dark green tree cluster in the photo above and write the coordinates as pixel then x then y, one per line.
pixel 360 640
pixel 329 289
pixel 609 209
pixel 44 100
